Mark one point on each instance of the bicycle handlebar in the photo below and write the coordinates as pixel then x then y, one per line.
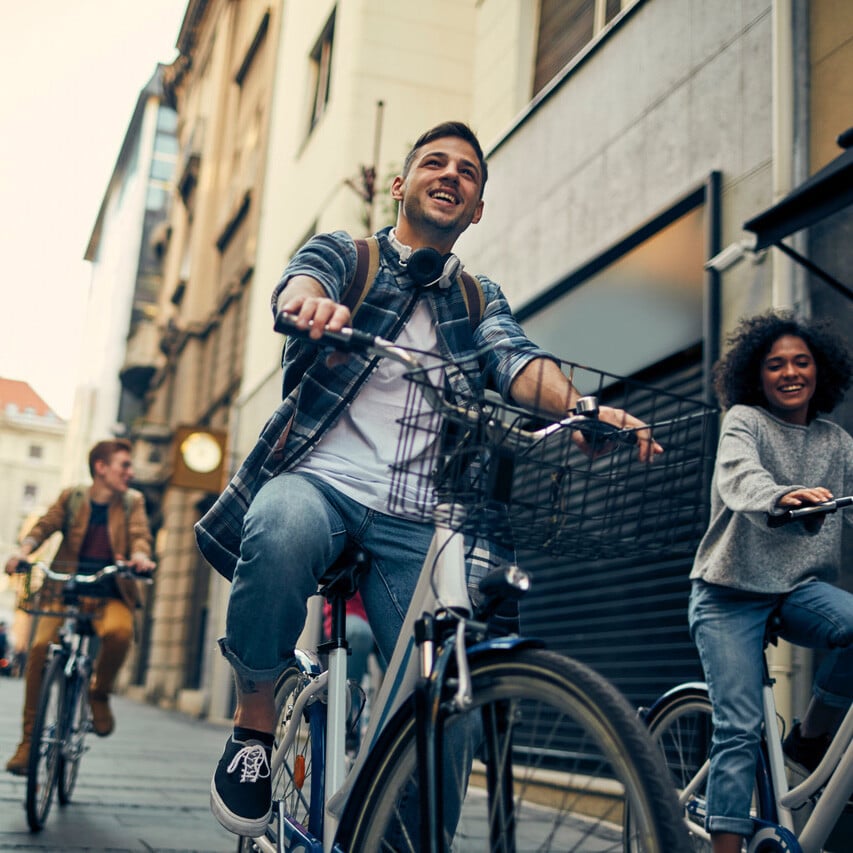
pixel 801 513
pixel 119 568
pixel 596 433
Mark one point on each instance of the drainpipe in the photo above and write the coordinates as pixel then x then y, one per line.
pixel 790 109
pixel 780 657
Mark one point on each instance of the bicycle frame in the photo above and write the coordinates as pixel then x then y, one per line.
pixel 835 771
pixel 441 586
pixel 418 663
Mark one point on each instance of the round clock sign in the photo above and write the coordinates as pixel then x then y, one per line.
pixel 201 452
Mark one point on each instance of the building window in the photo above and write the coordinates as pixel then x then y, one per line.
pixel 648 291
pixel 566 27
pixel 321 77
pixel 30 493
pixel 36 451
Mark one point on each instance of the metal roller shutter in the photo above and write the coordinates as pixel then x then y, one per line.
pixel 625 618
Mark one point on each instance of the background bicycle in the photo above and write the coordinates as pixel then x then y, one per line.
pixel 63 716
pixel 791 812
pixel 544 751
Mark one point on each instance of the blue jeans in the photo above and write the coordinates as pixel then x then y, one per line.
pixel 295 528
pixel 728 627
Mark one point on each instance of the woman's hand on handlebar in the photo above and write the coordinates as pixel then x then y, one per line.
pixel 799 497
pixel 804 498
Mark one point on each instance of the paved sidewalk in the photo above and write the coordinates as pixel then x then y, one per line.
pixel 144 788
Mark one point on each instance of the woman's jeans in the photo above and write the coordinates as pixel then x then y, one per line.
pixel 294 529
pixel 728 628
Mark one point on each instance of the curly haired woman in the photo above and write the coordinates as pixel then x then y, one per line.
pixel 774 453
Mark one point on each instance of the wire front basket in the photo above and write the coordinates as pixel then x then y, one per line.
pixel 38 596
pixel 535 489
pixel 34 595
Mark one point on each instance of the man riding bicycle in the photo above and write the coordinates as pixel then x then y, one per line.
pixel 100 524
pixel 319 474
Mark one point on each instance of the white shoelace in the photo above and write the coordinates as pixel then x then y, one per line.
pixel 255 763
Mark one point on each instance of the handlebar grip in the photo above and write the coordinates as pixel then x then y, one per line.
pixel 803 512
pixel 346 340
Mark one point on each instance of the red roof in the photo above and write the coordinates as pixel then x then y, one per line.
pixel 21 395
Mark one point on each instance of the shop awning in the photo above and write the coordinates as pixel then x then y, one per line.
pixel 824 193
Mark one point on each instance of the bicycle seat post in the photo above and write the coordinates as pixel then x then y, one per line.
pixel 775 757
pixel 337 649
pixel 338 585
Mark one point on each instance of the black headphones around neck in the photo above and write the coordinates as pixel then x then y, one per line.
pixel 428 265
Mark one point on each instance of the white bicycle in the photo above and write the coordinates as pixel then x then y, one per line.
pixel 478 742
pixel 814 814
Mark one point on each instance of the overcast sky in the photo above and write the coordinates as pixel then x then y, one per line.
pixel 71 72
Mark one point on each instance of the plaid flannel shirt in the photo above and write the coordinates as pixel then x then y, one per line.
pixel 317 394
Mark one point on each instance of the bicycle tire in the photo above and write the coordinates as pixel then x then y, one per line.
pixel 576 751
pixel 46 744
pixel 75 727
pixel 681 725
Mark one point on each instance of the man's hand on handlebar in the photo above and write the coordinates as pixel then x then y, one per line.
pixel 142 564
pixel 318 314
pixel 12 563
pixel 647 447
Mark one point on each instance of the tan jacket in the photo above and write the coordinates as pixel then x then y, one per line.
pixel 129 533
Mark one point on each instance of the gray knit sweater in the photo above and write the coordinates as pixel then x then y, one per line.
pixel 759 459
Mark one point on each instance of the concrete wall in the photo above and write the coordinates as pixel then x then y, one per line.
pixel 677 90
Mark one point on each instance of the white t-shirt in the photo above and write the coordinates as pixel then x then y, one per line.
pixel 356 455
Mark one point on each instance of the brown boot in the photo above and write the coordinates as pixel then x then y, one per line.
pixel 19 763
pixel 102 718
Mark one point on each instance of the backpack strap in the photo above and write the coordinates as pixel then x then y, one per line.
pixel 74 502
pixel 367 265
pixel 475 300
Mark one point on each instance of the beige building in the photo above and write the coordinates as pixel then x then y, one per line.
pixel 124 283
pixel 628 141
pixel 32 444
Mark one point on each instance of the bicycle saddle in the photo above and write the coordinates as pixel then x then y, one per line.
pixel 342 577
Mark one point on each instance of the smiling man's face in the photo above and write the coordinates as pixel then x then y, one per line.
pixel 441 194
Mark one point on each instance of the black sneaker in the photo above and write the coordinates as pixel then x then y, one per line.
pixel 241 791
pixel 804 754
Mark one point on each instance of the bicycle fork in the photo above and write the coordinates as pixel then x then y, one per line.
pixel 448 634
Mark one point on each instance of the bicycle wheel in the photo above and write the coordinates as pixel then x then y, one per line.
pixel 46 744
pixel 76 726
pixel 546 758
pixel 682 727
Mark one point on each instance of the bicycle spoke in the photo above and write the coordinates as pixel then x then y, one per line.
pixel 543 760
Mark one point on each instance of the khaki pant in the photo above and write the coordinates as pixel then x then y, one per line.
pixel 113 623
